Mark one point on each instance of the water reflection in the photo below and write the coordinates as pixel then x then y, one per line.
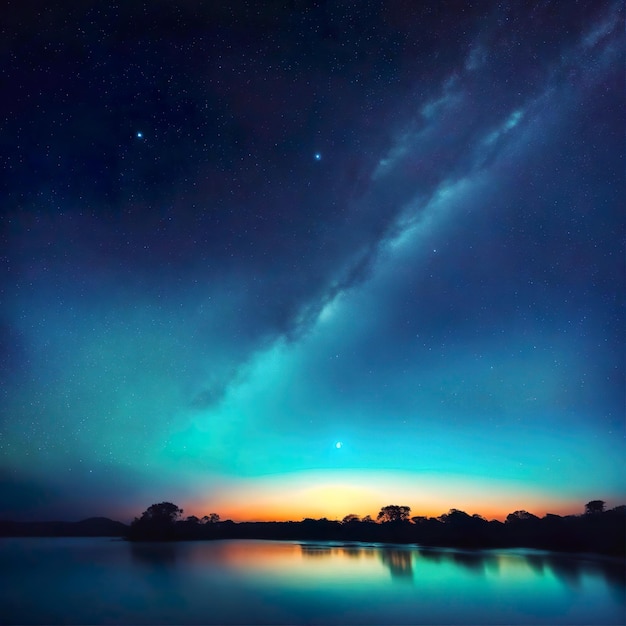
pixel 399 563
pixel 155 555
pixel 235 582
pixel 536 564
pixel 315 552
pixel 404 562
pixel 570 570
pixel 473 562
pixel 354 553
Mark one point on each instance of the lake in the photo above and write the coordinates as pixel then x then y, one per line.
pixel 109 581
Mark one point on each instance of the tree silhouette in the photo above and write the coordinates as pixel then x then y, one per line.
pixel 454 516
pixel 595 506
pixel 394 513
pixel 598 530
pixel 162 512
pixel 520 516
pixel 157 522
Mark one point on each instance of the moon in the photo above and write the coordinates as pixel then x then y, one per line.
pixel 338 445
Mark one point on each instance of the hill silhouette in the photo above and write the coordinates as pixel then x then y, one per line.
pixel 91 527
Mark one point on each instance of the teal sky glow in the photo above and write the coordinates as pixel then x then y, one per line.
pixel 202 312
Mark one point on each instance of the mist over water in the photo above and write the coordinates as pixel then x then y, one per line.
pixel 91 581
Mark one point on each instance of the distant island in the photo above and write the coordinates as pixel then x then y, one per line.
pixel 597 530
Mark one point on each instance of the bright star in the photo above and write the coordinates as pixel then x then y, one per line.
pixel 318 156
pixel 338 445
pixel 139 135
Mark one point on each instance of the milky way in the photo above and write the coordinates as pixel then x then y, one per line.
pixel 284 262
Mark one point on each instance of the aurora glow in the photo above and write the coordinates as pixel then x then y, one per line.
pixel 431 314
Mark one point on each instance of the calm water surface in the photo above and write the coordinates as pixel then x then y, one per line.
pixel 95 581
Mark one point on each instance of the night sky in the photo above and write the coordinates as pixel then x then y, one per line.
pixel 288 259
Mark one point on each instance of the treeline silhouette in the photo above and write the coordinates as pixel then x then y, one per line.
pixel 596 530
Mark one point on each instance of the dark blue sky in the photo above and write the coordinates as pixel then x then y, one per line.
pixel 235 234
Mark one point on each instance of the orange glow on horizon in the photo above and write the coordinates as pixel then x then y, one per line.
pixel 333 496
pixel 262 513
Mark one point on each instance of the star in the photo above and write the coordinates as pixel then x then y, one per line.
pixel 317 156
pixel 139 135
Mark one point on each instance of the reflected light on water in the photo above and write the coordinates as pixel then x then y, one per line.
pixel 233 582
